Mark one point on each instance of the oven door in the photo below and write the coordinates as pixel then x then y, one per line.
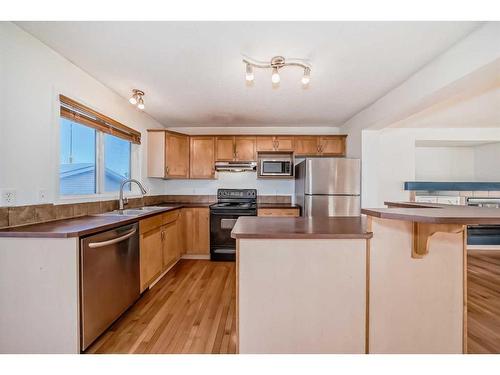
pixel 222 246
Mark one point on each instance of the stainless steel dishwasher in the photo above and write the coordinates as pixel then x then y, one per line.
pixel 109 279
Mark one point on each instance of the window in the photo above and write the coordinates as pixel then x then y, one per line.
pixel 95 151
pixel 116 162
pixel 77 168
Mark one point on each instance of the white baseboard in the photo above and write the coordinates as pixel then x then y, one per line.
pixel 196 256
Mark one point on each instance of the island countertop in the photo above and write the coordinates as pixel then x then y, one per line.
pixel 435 213
pixel 301 228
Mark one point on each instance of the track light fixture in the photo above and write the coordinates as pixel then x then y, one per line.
pixel 137 98
pixel 277 63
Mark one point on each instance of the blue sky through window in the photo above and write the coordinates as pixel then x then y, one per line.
pixel 77 167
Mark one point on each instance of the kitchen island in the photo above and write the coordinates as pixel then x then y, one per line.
pixel 391 282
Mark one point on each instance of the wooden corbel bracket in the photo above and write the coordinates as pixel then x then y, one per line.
pixel 422 233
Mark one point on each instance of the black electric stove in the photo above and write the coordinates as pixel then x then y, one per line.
pixel 231 204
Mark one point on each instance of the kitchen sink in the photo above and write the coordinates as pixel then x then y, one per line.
pixel 133 211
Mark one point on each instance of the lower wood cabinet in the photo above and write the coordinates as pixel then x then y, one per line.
pixel 196 230
pixel 277 212
pixel 160 245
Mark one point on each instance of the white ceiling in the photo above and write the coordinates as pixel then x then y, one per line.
pixel 193 75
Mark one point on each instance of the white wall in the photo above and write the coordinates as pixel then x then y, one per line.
pixel 487 162
pixel 389 158
pixel 444 164
pixel 32 76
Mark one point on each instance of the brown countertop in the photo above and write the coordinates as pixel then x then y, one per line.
pixel 79 226
pixel 435 213
pixel 305 228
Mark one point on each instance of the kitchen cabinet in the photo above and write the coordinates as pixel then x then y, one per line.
pixel 224 148
pixel 151 258
pixel 202 157
pixel 159 244
pixel 274 143
pixel 323 145
pixel 306 145
pixel 168 154
pixel 279 212
pixel 235 148
pixel 244 147
pixel 170 241
pixel 332 145
pixel 196 230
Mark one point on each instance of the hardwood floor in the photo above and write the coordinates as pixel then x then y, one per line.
pixel 483 287
pixel 190 310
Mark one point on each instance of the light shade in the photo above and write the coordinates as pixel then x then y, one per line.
pixel 140 104
pixel 275 78
pixel 133 99
pixel 307 76
pixel 249 73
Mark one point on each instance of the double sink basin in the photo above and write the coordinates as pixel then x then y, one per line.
pixel 134 212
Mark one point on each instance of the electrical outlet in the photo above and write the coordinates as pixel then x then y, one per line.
pixel 8 197
pixel 42 195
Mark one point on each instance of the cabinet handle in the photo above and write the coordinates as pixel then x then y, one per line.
pixel 277 144
pixel 166 170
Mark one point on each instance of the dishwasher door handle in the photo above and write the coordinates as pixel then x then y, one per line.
pixel 93 245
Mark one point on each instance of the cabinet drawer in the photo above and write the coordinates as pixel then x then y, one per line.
pixel 170 217
pixel 284 212
pixel 146 225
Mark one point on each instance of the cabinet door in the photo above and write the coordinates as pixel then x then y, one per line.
pixel 265 143
pixel 151 256
pixel 202 158
pixel 224 148
pixel 196 230
pixel 245 148
pixel 170 248
pixel 284 143
pixel 306 145
pixel 177 155
pixel 332 145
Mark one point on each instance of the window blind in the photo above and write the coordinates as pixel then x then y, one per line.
pixel 74 111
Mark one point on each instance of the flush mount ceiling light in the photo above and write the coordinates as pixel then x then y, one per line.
pixel 277 63
pixel 137 98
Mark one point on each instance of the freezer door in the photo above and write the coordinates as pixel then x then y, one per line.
pixel 333 176
pixel 331 205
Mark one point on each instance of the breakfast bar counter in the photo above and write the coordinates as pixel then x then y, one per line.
pixel 391 281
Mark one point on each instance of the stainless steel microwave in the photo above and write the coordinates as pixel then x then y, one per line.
pixel 276 165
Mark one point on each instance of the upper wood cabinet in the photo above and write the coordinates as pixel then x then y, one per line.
pixel 235 148
pixel 244 147
pixel 168 154
pixel 332 145
pixel 323 145
pixel 275 143
pixel 202 157
pixel 306 145
pixel 224 148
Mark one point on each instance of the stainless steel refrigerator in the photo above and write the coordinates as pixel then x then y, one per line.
pixel 328 186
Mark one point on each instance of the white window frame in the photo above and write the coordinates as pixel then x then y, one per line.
pixel 100 194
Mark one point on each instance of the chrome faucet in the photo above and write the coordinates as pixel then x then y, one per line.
pixel 120 201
